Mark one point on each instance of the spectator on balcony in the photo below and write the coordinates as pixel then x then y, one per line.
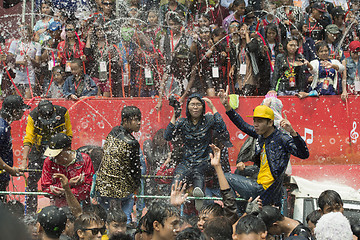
pixel 351 80
pixel 79 85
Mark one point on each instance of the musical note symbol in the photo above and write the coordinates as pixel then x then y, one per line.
pixel 311 133
pixel 353 134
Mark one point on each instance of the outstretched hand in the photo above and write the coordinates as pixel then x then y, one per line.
pixel 63 179
pixel 209 103
pixel 253 206
pixel 285 124
pixel 177 196
pixel 215 158
pixel 224 97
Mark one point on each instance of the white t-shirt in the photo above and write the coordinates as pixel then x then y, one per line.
pixel 20 49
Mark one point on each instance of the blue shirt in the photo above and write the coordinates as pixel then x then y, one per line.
pixel 6 151
pixel 90 88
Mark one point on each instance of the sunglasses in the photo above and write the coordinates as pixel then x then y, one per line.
pixel 95 231
pixel 107 3
pixel 69 29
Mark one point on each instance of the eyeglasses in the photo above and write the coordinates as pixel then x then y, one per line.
pixel 95 231
pixel 107 3
pixel 133 9
pixel 195 104
pixel 69 29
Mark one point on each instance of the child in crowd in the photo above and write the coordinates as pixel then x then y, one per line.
pixel 55 90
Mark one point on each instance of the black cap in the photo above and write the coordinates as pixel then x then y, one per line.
pixel 337 11
pixel 320 6
pixel 14 102
pixel 53 220
pixel 57 143
pixel 46 109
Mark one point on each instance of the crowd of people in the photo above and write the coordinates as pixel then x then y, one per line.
pixel 190 49
pixel 92 189
pixel 158 48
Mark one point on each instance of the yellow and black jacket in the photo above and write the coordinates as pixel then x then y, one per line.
pixel 39 132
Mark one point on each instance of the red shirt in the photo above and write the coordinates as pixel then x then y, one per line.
pixel 82 165
pixel 70 53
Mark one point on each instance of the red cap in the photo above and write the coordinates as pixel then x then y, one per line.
pixel 354 46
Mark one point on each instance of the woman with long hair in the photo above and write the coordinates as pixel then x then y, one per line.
pixel 288 76
pixel 71 47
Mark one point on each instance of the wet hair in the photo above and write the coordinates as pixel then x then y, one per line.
pixel 213 208
pixel 320 45
pixel 96 156
pixel 84 221
pixel 289 39
pixel 16 208
pixel 121 236
pixel 191 233
pixel 274 27
pixel 116 215
pixel 250 224
pixel 237 3
pixel 78 61
pixel 175 17
pixel 330 198
pixel 154 10
pixel 218 228
pixel 129 113
pixel 270 215
pixel 49 3
pixel 313 217
pixel 97 209
pixel 206 15
pixel 218 31
pixel 11 227
pixel 159 212
pixel 57 68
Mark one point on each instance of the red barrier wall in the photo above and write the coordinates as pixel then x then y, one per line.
pixel 325 123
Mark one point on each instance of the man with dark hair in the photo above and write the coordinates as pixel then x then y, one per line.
pixel 52 221
pixel 272 152
pixel 76 166
pixel 115 222
pixel 79 85
pixel 195 130
pixel 162 221
pixel 277 224
pixel 12 110
pixel 330 201
pixel 209 212
pixel 312 220
pixel 218 228
pixel 88 226
pixel 119 174
pixel 190 233
pixel 250 227
pixel 43 122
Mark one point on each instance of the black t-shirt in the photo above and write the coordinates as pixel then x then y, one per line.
pixel 302 230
